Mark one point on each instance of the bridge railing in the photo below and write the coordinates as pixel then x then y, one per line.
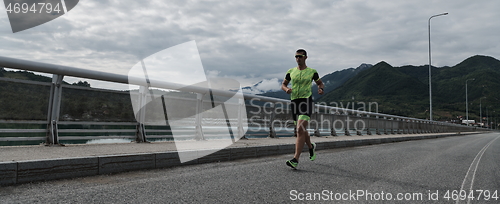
pixel 265 116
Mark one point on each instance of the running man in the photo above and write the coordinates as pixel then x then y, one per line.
pixel 302 106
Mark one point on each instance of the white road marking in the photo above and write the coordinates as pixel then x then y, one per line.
pixel 471 173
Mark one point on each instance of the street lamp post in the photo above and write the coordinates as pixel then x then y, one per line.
pixel 487 118
pixel 480 111
pixel 430 86
pixel 467 101
pixel 495 124
pixel 493 121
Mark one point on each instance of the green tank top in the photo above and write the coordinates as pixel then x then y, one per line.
pixel 301 82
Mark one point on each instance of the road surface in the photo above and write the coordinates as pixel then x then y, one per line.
pixel 422 171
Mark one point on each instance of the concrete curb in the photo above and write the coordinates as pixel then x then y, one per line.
pixel 12 173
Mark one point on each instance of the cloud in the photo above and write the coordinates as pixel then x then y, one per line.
pixel 266 85
pixel 256 40
pixel 269 85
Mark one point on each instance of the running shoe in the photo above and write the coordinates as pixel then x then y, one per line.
pixel 292 163
pixel 312 152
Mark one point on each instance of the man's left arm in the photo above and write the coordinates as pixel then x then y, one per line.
pixel 321 86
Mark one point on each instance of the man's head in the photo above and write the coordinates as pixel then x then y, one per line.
pixel 301 56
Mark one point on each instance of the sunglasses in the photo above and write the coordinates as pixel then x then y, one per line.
pixel 299 56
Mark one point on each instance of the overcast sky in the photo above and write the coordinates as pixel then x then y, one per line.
pixel 255 40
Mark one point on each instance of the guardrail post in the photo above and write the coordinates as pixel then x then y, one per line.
pixel 420 127
pixel 54 109
pixel 241 131
pixel 272 133
pixel 401 126
pixel 316 129
pixel 415 127
pixel 198 119
pixel 356 125
pixel 392 126
pixel 368 119
pixel 396 125
pixel 346 132
pixel 410 123
pixel 408 126
pixel 332 129
pixel 386 120
pixel 140 129
pixel 378 126
pixel 412 130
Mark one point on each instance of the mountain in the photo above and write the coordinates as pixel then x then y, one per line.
pixel 382 79
pixel 336 79
pixel 383 84
pixel 451 81
pixel 331 81
pixel 471 65
pixel 405 90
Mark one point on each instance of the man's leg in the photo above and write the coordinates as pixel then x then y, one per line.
pixel 308 140
pixel 302 137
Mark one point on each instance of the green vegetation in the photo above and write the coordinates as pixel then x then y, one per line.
pixel 21 101
pixel 92 105
pixel 404 90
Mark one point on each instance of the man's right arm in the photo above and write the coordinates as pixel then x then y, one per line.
pixel 284 87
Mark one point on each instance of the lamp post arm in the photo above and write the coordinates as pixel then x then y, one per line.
pixel 430 84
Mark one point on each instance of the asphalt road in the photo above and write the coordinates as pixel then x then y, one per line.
pixel 420 171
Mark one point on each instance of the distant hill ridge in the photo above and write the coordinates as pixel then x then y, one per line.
pixel 405 90
pixel 26 75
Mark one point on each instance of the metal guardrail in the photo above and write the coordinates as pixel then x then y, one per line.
pixel 340 120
